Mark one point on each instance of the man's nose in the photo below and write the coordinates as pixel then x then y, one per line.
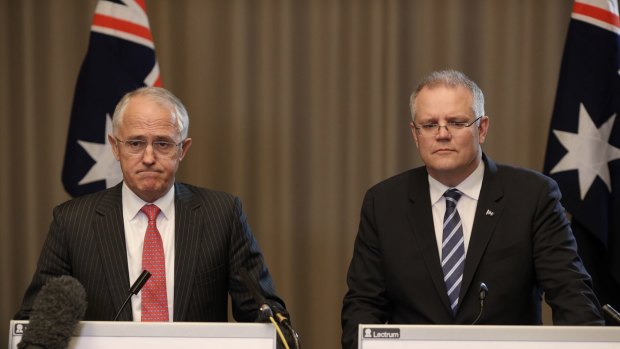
pixel 149 154
pixel 443 132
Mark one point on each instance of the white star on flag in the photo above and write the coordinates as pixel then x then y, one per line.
pixel 589 151
pixel 106 167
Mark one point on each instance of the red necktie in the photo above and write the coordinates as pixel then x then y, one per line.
pixel 154 297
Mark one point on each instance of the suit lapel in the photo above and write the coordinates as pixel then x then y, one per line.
pixel 187 232
pixel 420 218
pixel 109 234
pixel 488 213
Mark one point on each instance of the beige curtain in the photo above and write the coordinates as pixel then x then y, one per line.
pixel 297 107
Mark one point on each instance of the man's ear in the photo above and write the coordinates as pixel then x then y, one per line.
pixel 483 128
pixel 187 143
pixel 414 133
pixel 114 145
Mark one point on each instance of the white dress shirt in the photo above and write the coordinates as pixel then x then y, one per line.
pixel 466 206
pixel 135 223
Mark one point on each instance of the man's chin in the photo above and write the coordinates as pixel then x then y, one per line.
pixel 150 194
pixel 443 167
pixel 443 163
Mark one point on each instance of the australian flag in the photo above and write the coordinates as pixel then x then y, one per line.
pixel 120 58
pixel 583 151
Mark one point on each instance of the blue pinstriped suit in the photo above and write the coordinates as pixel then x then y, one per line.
pixel 212 241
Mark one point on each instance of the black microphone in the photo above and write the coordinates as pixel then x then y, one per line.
pixel 612 313
pixel 56 311
pixel 484 290
pixel 267 310
pixel 260 300
pixel 134 289
pixel 287 323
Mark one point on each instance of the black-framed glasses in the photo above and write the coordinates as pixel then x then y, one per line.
pixel 432 129
pixel 137 147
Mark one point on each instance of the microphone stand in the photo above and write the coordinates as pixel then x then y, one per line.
pixel 483 295
pixel 266 310
pixel 134 289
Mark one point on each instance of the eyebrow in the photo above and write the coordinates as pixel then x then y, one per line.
pixel 155 138
pixel 458 116
pixel 449 118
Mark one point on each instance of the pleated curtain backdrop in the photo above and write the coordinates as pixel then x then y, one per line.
pixel 297 107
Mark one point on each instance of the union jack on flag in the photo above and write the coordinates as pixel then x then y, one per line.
pixel 120 58
pixel 583 150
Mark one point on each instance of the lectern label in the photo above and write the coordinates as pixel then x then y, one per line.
pixel 19 328
pixel 380 333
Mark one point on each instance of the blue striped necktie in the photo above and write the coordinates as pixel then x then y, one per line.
pixel 452 248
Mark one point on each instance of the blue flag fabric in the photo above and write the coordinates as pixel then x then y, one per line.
pixel 120 58
pixel 583 150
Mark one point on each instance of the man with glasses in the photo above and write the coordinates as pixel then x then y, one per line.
pixel 462 240
pixel 195 242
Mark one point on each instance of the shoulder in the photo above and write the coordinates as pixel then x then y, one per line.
pixel 523 175
pixel 91 201
pixel 202 193
pixel 395 191
pixel 205 196
pixel 401 181
pixel 524 181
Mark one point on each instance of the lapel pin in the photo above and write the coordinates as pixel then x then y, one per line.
pixel 490 213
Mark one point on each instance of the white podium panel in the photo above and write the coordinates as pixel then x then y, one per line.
pixel 186 335
pixel 483 337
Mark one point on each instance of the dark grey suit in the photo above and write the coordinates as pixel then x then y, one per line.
pixel 521 244
pixel 212 242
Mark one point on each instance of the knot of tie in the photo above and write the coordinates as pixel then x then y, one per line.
pixel 452 196
pixel 151 211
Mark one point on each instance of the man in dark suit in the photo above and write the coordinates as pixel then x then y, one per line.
pixel 194 241
pixel 430 236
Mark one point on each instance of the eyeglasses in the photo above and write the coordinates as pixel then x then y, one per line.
pixel 432 129
pixel 137 147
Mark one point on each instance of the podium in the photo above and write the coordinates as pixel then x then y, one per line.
pixel 487 337
pixel 192 335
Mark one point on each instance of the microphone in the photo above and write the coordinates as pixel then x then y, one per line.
pixel 612 313
pixel 134 289
pixel 264 308
pixel 267 311
pixel 56 311
pixel 484 290
pixel 285 321
pixel 260 300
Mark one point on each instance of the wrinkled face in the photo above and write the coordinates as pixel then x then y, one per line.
pixel 148 173
pixel 449 155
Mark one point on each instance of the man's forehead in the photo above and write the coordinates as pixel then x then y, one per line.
pixel 440 85
pixel 143 125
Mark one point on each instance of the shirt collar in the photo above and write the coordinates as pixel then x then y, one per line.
pixel 470 186
pixel 132 204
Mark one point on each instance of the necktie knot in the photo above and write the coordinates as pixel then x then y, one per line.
pixel 151 211
pixel 452 196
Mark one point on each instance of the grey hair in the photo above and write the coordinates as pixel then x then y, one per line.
pixel 160 96
pixel 450 78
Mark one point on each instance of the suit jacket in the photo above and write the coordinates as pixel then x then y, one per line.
pixel 523 247
pixel 212 242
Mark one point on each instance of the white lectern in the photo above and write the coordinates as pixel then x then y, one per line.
pixel 483 337
pixel 186 335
